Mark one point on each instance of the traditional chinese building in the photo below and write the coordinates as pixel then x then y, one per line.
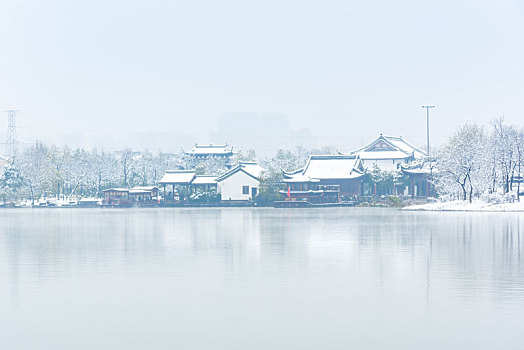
pixel 176 184
pixel 388 153
pixel 419 174
pixel 325 179
pixel 204 151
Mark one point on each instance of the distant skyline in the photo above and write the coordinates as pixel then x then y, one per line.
pixel 345 70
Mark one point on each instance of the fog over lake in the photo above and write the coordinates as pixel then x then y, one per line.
pixel 256 278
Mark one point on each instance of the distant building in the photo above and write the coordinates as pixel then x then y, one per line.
pixel 265 132
pixel 388 153
pixel 325 179
pixel 204 151
pixel 213 158
pixel 240 183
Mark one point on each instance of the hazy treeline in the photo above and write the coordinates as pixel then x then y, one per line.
pixel 42 171
pixel 476 162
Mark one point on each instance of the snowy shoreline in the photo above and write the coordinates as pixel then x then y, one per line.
pixel 475 206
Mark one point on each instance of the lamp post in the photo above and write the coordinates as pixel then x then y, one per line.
pixel 427 123
pixel 428 186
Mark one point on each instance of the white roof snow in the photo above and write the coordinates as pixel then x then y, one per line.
pixel 210 150
pixel 205 180
pixel 406 147
pixel 116 190
pixel 183 177
pixel 143 189
pixel 418 167
pixel 327 167
pixel 389 147
pixel 250 168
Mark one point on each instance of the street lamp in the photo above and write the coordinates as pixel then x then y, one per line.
pixel 427 123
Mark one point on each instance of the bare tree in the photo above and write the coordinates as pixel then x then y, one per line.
pixel 504 146
pixel 125 160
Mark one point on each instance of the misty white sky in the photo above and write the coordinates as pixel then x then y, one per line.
pixel 347 70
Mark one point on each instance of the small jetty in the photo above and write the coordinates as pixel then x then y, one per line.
pixel 306 204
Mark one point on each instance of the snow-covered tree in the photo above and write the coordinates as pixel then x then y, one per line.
pixel 384 181
pixel 504 144
pixel 126 163
pixel 33 168
pixel 245 156
pixel 11 182
pixel 461 162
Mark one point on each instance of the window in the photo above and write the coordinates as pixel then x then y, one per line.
pixel 245 189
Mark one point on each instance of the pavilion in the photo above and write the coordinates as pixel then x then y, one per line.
pixel 210 150
pixel 325 179
pixel 180 181
pixel 388 153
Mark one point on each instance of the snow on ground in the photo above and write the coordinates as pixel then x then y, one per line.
pixel 476 205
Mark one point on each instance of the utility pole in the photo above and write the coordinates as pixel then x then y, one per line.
pixel 11 143
pixel 427 123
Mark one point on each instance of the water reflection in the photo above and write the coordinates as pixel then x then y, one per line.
pixel 384 261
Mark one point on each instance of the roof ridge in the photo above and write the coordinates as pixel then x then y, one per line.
pixel 335 156
pixel 180 171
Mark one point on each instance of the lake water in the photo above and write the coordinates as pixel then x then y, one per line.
pixel 242 278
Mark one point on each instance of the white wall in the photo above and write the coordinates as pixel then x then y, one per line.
pixel 231 187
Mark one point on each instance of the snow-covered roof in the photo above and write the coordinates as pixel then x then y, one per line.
pixel 116 190
pixel 250 168
pixel 137 191
pixel 90 199
pixel 327 167
pixel 143 189
pixel 389 147
pixel 182 177
pixel 210 149
pixel 301 178
pixel 205 180
pixel 418 167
